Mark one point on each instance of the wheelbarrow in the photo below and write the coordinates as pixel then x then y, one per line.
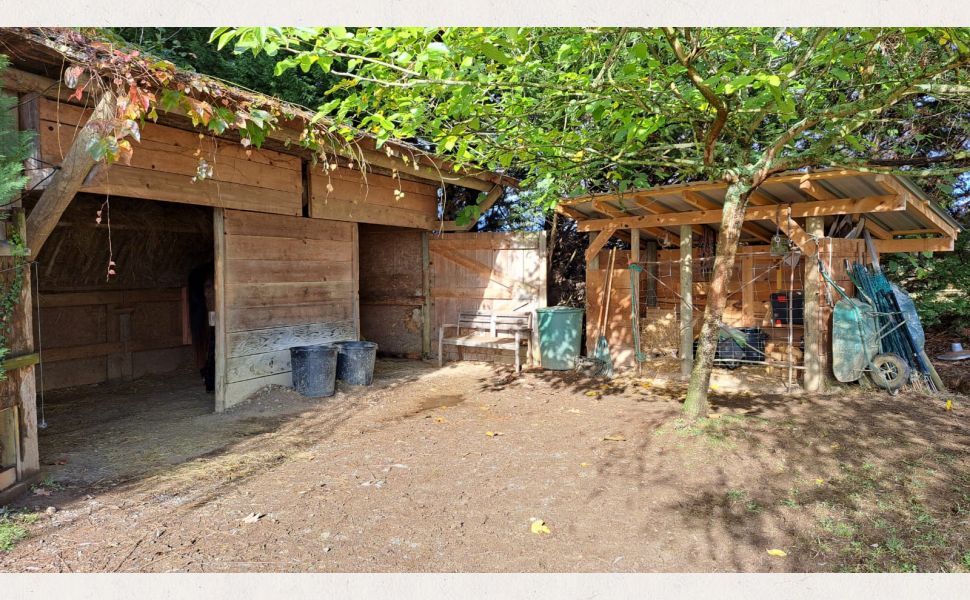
pixel 856 338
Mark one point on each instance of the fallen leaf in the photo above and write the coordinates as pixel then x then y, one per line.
pixel 440 420
pixel 614 438
pixel 777 552
pixel 574 411
pixel 42 492
pixel 584 464
pixel 493 433
pixel 949 405
pixel 592 393
pixel 819 482
pixel 539 526
pixel 714 416
pixel 253 517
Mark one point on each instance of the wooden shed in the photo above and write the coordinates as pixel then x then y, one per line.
pixel 300 254
pixel 670 232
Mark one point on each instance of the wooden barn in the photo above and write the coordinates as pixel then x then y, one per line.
pixel 670 233
pixel 298 253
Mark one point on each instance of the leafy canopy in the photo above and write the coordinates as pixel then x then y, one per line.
pixel 574 110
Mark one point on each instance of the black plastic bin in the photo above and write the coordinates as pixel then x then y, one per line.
pixel 728 353
pixel 756 340
pixel 314 369
pixel 355 362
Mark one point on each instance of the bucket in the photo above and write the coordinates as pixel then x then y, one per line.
pixel 355 362
pixel 560 334
pixel 314 369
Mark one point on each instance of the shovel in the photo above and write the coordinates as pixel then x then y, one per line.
pixel 602 351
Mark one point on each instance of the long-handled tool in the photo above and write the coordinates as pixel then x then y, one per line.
pixel 602 351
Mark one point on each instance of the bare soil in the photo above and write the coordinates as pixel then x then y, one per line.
pixel 446 469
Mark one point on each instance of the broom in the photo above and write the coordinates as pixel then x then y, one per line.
pixel 602 352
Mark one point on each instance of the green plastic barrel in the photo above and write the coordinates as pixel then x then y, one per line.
pixel 560 334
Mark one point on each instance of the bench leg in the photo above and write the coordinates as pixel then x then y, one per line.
pixel 518 352
pixel 441 343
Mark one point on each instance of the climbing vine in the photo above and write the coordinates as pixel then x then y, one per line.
pixel 144 86
pixel 10 294
pixel 14 149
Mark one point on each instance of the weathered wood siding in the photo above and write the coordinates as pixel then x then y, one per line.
pixel 392 289
pixel 166 159
pixel 96 336
pixel 346 195
pixel 502 272
pixel 288 281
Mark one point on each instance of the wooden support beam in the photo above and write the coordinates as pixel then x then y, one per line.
pixel 686 300
pixel 884 234
pixel 219 289
pixel 708 186
pixel 798 235
pixel 812 188
pixel 651 280
pixel 657 232
pixel 66 182
pixel 598 242
pixel 910 232
pixel 820 208
pixel 937 244
pixel 634 246
pixel 917 204
pixel 698 201
pixel 814 376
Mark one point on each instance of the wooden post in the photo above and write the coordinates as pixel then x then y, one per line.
pixel 814 355
pixel 653 271
pixel 219 289
pixel 20 384
pixel 65 183
pixel 634 245
pixel 426 307
pixel 355 258
pixel 686 300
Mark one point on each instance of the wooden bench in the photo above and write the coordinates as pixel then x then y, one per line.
pixel 504 331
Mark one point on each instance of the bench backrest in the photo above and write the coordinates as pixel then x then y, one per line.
pixel 495 323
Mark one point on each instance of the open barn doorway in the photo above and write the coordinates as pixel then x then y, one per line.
pixel 393 280
pixel 123 327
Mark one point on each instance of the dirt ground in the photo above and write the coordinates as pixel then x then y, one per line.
pixel 446 469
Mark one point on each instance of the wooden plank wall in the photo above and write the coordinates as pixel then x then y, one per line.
pixel 497 259
pixel 345 194
pixel 288 281
pixel 392 289
pixel 618 329
pixel 166 159
pixel 96 336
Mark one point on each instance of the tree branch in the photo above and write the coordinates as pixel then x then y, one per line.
pixel 722 114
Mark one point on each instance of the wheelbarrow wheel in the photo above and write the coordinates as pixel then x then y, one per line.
pixel 889 371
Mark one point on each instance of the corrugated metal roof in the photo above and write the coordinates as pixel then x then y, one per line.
pixel 840 184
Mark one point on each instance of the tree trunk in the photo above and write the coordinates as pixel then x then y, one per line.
pixel 735 199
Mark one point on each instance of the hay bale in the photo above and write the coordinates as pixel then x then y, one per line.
pixel 659 332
